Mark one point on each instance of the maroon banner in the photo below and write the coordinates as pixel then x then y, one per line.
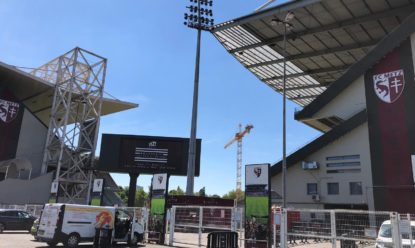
pixel 390 94
pixel 11 115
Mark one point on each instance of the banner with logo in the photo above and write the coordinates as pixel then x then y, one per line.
pixel 97 192
pixel 157 218
pixel 257 206
pixel 11 115
pixel 390 97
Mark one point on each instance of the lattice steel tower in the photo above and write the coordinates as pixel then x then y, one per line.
pixel 79 77
pixel 238 137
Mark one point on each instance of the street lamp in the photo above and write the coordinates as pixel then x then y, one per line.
pixel 199 18
pixel 286 23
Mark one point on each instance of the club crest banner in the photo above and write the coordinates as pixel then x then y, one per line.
pixel 257 206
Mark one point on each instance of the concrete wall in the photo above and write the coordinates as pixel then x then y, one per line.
pixel 17 191
pixel 32 142
pixel 355 142
pixel 349 102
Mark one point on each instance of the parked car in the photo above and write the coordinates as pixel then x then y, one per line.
pixel 15 220
pixel 384 239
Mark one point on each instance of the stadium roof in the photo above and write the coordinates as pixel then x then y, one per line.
pixel 327 37
pixel 37 94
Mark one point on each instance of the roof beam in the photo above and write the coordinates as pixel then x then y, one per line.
pixel 309 72
pixel 302 97
pixel 304 87
pixel 341 24
pixel 317 53
pixel 285 7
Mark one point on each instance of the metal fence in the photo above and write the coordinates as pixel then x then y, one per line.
pixel 34 210
pixel 343 228
pixel 191 224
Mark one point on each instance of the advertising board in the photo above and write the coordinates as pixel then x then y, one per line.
pixel 146 154
pixel 257 206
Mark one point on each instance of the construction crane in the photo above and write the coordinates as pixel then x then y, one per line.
pixel 238 137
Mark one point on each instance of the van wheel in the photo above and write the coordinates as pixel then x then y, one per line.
pixel 2 227
pixel 72 241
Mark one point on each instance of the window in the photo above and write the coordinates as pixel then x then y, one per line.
pixel 355 188
pixel 344 171
pixel 311 188
pixel 341 164
pixel 344 157
pixel 24 215
pixel 332 188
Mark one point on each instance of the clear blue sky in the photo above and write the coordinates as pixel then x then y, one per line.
pixel 151 57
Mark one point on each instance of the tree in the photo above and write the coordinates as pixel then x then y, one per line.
pixel 177 191
pixel 140 196
pixel 234 194
pixel 202 192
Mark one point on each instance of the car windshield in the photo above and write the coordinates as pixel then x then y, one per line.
pixel 385 231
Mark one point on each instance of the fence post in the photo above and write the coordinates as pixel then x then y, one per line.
pixel 283 229
pixel 233 219
pixel 408 216
pixel 200 225
pixel 172 223
pixel 333 228
pixel 395 230
pixel 274 230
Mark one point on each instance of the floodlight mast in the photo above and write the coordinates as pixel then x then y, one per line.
pixel 287 25
pixel 199 19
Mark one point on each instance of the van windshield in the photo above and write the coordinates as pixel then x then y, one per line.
pixel 385 231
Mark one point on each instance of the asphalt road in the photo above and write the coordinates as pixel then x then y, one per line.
pixel 25 240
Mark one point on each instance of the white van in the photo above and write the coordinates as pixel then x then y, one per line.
pixel 72 224
pixel 384 239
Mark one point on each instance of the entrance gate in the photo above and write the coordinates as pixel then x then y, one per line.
pixel 191 224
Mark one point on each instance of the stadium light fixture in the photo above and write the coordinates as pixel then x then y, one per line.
pixel 200 19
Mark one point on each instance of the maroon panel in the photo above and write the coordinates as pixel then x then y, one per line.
pixel 390 94
pixel 11 115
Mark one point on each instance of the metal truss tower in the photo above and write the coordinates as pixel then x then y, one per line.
pixel 239 162
pixel 79 77
pixel 238 137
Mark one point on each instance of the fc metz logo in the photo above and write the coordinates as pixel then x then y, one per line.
pixel 389 86
pixel 257 171
pixel 8 110
pixel 160 178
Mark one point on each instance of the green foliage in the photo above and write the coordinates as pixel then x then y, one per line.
pixel 234 194
pixel 177 191
pixel 140 196
pixel 202 192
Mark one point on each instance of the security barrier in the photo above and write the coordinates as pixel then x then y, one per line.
pixel 191 224
pixel 343 228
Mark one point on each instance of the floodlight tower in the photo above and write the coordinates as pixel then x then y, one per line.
pixel 199 18
pixel 286 23
pixel 79 77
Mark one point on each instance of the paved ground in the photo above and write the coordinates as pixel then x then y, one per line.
pixel 25 240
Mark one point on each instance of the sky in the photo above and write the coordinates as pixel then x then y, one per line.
pixel 151 60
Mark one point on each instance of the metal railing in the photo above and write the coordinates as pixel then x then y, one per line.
pixel 343 228
pixel 191 224
pixel 34 210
